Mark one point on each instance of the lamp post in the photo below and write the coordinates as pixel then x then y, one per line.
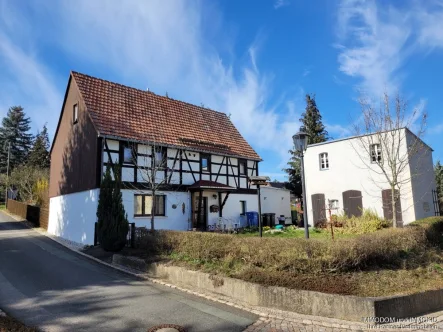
pixel 7 175
pixel 301 143
pixel 259 181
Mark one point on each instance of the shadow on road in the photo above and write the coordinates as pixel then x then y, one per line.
pixel 44 284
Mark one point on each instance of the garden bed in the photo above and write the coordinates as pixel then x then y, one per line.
pixel 387 262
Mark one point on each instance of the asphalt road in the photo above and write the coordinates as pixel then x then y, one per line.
pixel 46 285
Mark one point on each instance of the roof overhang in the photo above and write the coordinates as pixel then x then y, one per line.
pixel 210 185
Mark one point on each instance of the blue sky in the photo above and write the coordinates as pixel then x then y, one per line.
pixel 254 60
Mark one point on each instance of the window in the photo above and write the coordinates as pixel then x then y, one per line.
pixel 324 161
pixel 205 162
pixel 75 113
pixel 375 153
pixel 242 167
pixel 242 208
pixel 333 204
pixel 143 205
pixel 159 157
pixel 128 157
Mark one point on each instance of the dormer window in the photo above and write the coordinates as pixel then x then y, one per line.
pixel 75 113
pixel 324 161
pixel 375 153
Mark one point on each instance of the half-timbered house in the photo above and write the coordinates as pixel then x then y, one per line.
pixel 199 160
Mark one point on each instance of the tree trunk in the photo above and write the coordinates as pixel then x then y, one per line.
pixel 153 191
pixel 152 211
pixel 394 207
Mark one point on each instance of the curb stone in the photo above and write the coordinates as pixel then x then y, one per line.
pixel 267 316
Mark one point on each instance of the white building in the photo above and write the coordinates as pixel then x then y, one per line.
pixel 276 200
pixel 345 174
pixel 202 162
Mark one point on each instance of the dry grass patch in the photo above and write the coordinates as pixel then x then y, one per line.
pixel 389 261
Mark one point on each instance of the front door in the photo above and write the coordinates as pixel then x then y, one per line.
pixel 201 223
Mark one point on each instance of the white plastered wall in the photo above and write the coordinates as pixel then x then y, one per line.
pixel 73 216
pixel 347 171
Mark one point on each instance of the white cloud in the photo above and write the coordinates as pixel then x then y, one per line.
pixel 372 47
pixel 337 131
pixel 280 3
pixel 430 25
pixel 26 82
pixel 163 45
pixel 436 130
pixel 376 40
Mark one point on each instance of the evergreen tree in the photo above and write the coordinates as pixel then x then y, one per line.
pixel 311 121
pixel 15 131
pixel 39 155
pixel 439 181
pixel 112 219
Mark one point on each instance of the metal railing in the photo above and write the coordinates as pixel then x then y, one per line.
pixel 130 237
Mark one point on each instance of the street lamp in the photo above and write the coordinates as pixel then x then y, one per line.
pixel 301 143
pixel 259 181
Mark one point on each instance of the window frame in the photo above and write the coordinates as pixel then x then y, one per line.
pixel 144 214
pixel 377 153
pixel 243 208
pixel 324 161
pixel 208 166
pixel 133 156
pixel 164 160
pixel 245 165
pixel 75 113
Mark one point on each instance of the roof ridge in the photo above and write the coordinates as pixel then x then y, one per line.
pixel 149 92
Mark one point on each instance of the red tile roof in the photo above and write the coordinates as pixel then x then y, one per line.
pixel 134 114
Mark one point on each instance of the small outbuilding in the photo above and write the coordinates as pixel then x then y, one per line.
pixel 276 199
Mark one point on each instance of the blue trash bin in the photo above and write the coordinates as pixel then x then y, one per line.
pixel 252 218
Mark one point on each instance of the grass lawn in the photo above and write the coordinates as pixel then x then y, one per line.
pixel 2 206
pixel 9 324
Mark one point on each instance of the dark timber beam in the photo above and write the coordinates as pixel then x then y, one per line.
pixel 224 201
pixel 220 210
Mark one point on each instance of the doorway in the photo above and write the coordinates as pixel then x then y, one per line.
pixel 202 223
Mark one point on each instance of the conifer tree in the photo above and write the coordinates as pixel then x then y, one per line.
pixel 112 219
pixel 439 181
pixel 312 124
pixel 39 155
pixel 14 131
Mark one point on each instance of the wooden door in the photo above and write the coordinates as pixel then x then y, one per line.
pixel 387 205
pixel 318 208
pixel 201 223
pixel 353 203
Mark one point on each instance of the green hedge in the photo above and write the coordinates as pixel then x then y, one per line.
pixel 387 247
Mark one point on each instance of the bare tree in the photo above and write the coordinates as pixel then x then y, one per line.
pixel 386 147
pixel 154 173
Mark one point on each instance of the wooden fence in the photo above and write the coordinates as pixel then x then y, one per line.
pixel 38 216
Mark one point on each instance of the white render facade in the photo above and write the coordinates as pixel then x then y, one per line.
pixel 344 174
pixel 276 200
pixel 72 216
